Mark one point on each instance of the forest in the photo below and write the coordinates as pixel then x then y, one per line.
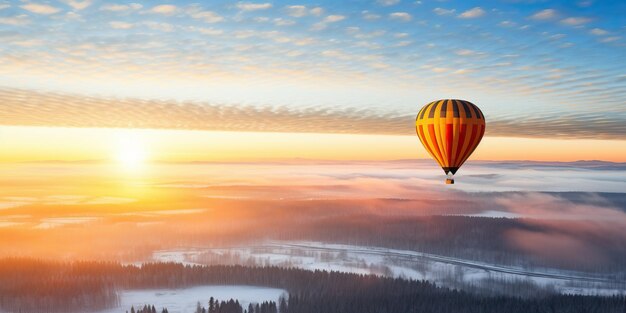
pixel 28 285
pixel 473 238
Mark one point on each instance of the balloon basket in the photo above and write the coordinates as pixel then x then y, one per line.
pixel 449 181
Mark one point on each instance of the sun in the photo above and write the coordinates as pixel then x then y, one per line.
pixel 130 152
pixel 131 157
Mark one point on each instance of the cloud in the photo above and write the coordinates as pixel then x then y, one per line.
pixel 336 54
pixel 19 20
pixel 301 10
pixel 78 5
pixel 473 13
pixel 401 16
pixel 575 21
pixel 29 108
pixel 507 24
pixel 334 18
pixel 387 2
pixel 544 14
pixel 598 32
pixel 165 9
pixel 439 69
pixel 209 31
pixel 317 11
pixel 283 22
pixel 164 27
pixel 466 52
pixel 566 125
pixel 297 10
pixel 28 43
pixel 440 11
pixel 40 8
pixel 247 6
pixel 4 6
pixel 327 20
pixel 204 15
pixel 610 39
pixel 566 228
pixel 121 7
pixel 120 25
pixel 462 71
pixel 20 107
pixel 370 16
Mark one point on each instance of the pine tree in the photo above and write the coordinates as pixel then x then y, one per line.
pixel 282 308
pixel 211 305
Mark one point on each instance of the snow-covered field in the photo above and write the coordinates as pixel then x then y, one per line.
pixel 453 272
pixel 185 300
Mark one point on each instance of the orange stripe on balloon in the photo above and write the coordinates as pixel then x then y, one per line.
pixel 425 143
pixel 431 130
pixel 475 142
pixel 420 133
pixel 470 143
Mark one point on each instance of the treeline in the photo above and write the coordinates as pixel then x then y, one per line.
pixel 233 306
pixel 230 306
pixel 147 309
pixel 39 286
pixel 32 286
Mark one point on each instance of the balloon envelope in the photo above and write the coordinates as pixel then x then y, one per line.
pixel 450 130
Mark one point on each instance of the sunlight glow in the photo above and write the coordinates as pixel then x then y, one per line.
pixel 131 153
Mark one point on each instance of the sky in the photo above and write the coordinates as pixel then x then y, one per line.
pixel 184 81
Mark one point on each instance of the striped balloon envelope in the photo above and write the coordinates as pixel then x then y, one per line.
pixel 450 130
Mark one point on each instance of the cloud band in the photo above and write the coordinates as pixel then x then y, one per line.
pixel 29 108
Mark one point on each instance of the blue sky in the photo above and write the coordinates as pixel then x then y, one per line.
pixel 526 62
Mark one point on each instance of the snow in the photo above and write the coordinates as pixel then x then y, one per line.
pixel 176 256
pixel 185 300
pixel 443 270
pixel 495 214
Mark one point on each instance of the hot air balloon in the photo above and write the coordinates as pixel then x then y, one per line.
pixel 450 130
